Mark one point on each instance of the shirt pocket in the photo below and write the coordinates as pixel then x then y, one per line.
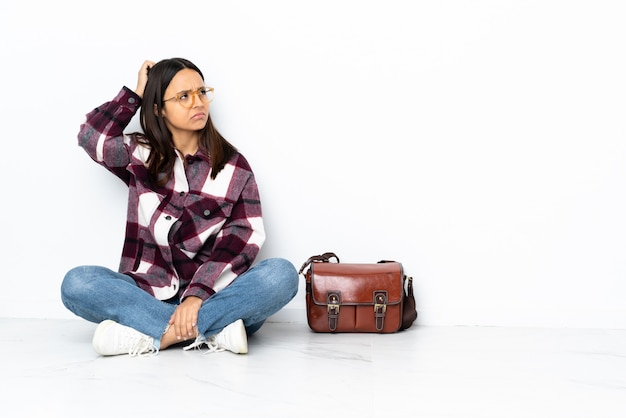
pixel 206 219
pixel 212 209
pixel 208 216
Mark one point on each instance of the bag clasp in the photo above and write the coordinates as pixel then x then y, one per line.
pixel 380 308
pixel 333 302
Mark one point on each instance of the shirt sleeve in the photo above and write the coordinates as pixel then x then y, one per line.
pixel 102 136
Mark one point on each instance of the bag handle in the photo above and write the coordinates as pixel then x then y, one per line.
pixel 324 258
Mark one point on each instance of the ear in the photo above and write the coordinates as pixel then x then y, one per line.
pixel 156 112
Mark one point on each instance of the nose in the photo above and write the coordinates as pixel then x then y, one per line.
pixel 198 98
pixel 195 95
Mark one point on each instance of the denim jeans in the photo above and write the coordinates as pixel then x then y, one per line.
pixel 97 293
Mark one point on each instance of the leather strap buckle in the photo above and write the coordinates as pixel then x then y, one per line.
pixel 380 308
pixel 333 302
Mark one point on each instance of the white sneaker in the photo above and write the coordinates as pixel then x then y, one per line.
pixel 232 338
pixel 111 339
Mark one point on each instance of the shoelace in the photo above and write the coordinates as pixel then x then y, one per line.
pixel 196 344
pixel 213 347
pixel 143 347
pixel 210 343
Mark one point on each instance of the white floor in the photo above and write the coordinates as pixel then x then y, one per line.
pixel 50 370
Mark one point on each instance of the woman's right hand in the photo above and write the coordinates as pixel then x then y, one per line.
pixel 142 79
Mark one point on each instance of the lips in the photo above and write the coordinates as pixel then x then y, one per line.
pixel 199 115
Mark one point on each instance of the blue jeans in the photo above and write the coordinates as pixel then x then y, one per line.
pixel 98 293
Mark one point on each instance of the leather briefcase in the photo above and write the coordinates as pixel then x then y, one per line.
pixel 362 297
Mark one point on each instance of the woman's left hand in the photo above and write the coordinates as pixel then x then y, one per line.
pixel 185 318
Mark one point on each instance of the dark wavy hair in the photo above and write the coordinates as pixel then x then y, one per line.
pixel 159 138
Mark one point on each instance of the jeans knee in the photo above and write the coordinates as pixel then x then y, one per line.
pixel 285 274
pixel 283 265
pixel 76 282
pixel 281 273
pixel 71 283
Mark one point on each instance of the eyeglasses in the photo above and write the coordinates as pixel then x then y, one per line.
pixel 185 98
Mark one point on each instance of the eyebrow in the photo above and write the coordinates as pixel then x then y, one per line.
pixel 187 91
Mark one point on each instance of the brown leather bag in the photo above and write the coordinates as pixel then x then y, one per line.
pixel 342 297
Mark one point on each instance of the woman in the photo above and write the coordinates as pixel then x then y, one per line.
pixel 194 226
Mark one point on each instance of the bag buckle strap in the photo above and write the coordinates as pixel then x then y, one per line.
pixel 380 308
pixel 333 302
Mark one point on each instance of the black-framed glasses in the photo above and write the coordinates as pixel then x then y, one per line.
pixel 185 98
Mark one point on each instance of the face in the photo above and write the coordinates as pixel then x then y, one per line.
pixel 188 115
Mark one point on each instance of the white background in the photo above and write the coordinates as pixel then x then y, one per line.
pixel 481 143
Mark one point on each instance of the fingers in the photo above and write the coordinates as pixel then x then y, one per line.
pixel 142 77
pixel 145 67
pixel 184 321
pixel 184 332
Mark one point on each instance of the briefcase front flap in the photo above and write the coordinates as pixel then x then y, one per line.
pixel 357 284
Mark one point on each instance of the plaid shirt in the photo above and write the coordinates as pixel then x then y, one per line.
pixel 193 236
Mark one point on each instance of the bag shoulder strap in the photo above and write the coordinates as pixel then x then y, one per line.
pixel 324 258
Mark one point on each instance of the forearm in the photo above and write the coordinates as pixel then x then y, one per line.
pixel 101 135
